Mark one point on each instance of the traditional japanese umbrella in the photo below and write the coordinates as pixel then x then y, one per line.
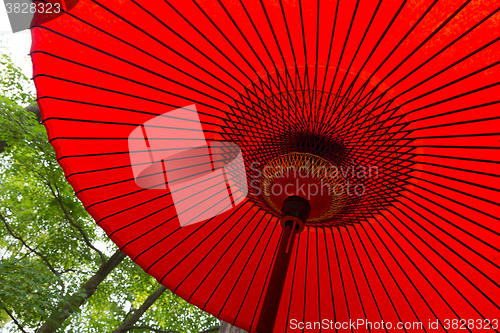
pixel 176 123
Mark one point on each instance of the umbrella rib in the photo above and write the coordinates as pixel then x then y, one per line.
pixel 280 107
pixel 304 301
pixel 388 271
pixel 398 44
pixel 304 48
pixel 445 260
pixel 459 95
pixel 346 97
pixel 453 237
pixel 417 268
pixel 447 100
pixel 366 278
pixel 128 79
pixel 296 250
pixel 340 60
pixel 256 55
pixel 249 45
pixel 397 262
pixel 327 67
pixel 136 65
pixel 218 260
pixel 461 169
pixel 428 38
pixel 278 46
pixel 279 76
pixel 252 251
pixel 195 48
pixel 446 47
pixel 162 196
pixel 317 274
pixel 306 79
pixel 268 275
pixel 142 51
pixel 230 43
pixel 255 271
pixel 462 216
pixel 353 278
pixel 166 46
pixel 158 226
pixel 454 81
pixel 291 44
pixel 315 81
pixel 135 206
pixel 452 112
pixel 342 282
pixel 126 109
pixel 185 238
pixel 449 222
pixel 329 274
pixel 370 129
pixel 351 86
pixel 460 203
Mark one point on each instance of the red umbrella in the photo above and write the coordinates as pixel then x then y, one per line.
pixel 397 100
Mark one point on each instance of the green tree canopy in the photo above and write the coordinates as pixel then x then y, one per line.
pixel 52 255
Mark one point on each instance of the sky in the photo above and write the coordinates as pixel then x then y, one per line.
pixel 19 43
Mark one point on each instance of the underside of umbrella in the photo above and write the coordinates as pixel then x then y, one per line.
pixel 397 100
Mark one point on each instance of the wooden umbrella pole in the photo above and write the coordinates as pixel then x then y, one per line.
pixel 295 213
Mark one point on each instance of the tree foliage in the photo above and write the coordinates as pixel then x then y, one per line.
pixel 50 246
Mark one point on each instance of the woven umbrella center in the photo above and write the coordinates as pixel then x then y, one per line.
pixel 308 176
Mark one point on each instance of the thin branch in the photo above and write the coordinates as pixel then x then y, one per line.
pixel 86 239
pixel 72 270
pixel 66 214
pixel 151 329
pixel 71 303
pixel 59 200
pixel 42 178
pixel 12 317
pixel 7 250
pixel 129 313
pixel 11 232
pixel 213 329
pixel 128 324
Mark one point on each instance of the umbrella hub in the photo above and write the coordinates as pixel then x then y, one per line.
pixel 367 157
pixel 307 176
pixel 295 211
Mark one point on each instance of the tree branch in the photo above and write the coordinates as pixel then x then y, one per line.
pixel 129 323
pixel 213 329
pixel 11 232
pixel 7 250
pixel 86 239
pixel 151 329
pixel 12 317
pixel 73 302
pixel 228 328
pixel 58 198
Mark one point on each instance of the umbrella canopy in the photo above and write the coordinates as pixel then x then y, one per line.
pixel 397 100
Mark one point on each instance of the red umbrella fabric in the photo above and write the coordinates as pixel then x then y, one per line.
pixel 400 98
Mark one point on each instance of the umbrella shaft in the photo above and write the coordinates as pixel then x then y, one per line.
pixel 276 283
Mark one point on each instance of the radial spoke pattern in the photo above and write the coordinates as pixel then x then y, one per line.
pixel 406 90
